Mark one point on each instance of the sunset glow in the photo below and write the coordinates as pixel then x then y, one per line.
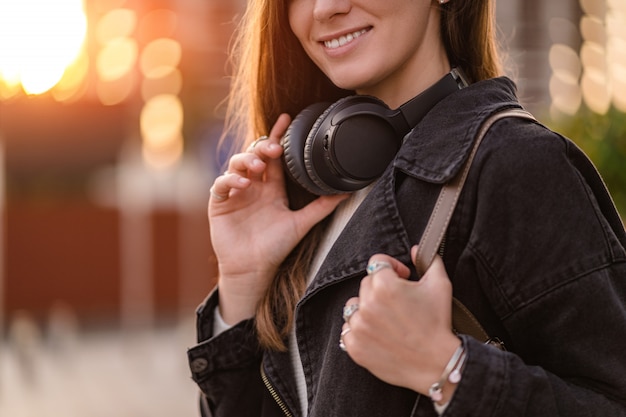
pixel 39 40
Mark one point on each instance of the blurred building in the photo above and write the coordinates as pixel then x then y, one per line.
pixel 566 54
pixel 107 172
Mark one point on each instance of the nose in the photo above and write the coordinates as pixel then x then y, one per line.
pixel 327 9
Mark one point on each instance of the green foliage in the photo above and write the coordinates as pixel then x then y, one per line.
pixel 603 139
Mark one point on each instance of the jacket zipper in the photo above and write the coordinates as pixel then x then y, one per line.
pixel 274 394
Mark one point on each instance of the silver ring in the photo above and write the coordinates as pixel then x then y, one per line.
pixel 259 139
pixel 344 332
pixel 216 196
pixel 349 310
pixel 376 266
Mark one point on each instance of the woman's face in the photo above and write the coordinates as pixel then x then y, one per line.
pixel 391 49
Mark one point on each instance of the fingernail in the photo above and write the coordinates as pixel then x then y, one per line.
pixel 243 180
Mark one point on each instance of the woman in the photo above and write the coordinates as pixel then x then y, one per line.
pixel 318 314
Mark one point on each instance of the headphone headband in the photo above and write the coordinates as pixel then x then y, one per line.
pixel 415 109
pixel 344 146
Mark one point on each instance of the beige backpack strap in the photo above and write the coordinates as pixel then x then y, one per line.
pixel 463 321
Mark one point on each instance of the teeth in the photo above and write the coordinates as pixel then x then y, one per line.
pixel 342 40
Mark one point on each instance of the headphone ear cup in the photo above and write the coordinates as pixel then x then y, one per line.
pixel 333 148
pixel 311 171
pixel 350 144
pixel 293 143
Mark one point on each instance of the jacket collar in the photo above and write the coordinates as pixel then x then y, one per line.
pixel 434 151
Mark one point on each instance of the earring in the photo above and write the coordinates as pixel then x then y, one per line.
pixel 443 1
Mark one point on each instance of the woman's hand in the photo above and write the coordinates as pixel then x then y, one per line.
pixel 252 228
pixel 402 330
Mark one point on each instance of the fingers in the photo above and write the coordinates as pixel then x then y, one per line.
pixel 379 262
pixel 350 309
pixel 262 150
pixel 247 164
pixel 386 271
pixel 281 125
pixel 269 145
pixel 220 191
pixel 268 148
pixel 342 337
pixel 277 131
pixel 386 277
pixel 436 268
pixel 258 162
pixel 396 318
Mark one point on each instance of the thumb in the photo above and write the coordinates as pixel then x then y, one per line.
pixel 436 267
pixel 316 210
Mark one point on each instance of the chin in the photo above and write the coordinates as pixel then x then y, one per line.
pixel 350 83
pixel 354 79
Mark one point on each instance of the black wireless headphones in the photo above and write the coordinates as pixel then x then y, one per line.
pixel 344 146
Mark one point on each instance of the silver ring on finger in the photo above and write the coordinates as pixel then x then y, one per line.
pixel 349 310
pixel 376 266
pixel 344 332
pixel 216 196
pixel 259 139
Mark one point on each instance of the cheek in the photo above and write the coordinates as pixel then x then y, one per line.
pixel 296 13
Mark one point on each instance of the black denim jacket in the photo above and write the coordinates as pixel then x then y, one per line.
pixel 535 250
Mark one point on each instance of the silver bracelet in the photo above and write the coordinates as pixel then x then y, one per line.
pixel 436 390
pixel 455 378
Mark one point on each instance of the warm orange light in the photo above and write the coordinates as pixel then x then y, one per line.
pixel 116 59
pixel 169 84
pixel 117 23
pixel 160 57
pixel 161 129
pixel 39 40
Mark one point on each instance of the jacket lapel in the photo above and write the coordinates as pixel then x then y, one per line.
pixel 433 152
pixel 359 240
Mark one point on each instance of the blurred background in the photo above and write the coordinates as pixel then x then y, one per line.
pixel 110 112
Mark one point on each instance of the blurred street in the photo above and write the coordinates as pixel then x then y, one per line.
pixel 67 373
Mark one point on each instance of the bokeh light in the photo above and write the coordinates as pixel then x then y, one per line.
pixel 35 49
pixel 117 23
pixel 159 23
pixel 72 87
pixel 171 83
pixel 616 50
pixel 160 57
pixel 593 72
pixel 116 59
pixel 162 115
pixel 161 123
pixel 564 88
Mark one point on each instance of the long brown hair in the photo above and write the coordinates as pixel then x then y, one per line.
pixel 468 31
pixel 273 75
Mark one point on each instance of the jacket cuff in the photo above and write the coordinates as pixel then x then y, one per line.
pixel 486 367
pixel 235 348
pixel 205 316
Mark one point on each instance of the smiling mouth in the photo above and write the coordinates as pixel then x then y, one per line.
pixel 343 40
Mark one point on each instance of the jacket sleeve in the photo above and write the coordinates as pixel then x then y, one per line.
pixel 226 367
pixel 547 251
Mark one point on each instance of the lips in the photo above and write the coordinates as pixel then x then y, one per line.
pixel 344 39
